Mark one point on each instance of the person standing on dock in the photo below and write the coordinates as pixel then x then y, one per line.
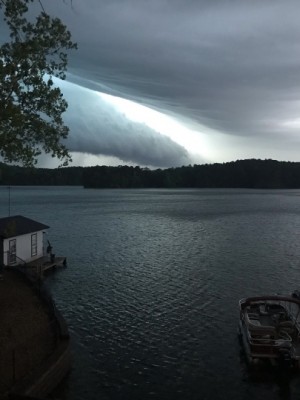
pixel 49 251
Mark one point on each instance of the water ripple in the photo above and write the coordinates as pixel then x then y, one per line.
pixel 153 282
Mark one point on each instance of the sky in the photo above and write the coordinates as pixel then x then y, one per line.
pixel 165 83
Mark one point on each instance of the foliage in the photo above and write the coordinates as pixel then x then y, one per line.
pixel 252 174
pixel 31 106
pixel 15 175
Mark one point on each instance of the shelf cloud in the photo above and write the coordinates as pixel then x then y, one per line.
pixel 98 128
pixel 226 67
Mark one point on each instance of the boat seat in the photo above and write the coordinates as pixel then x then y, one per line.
pixel 254 325
pixel 253 316
pixel 288 327
pixel 262 309
pixel 254 322
pixel 287 324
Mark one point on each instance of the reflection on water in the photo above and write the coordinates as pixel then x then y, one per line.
pixel 276 380
pixel 153 282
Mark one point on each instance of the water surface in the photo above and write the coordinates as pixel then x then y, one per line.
pixel 153 282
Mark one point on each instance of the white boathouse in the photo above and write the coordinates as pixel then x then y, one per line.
pixel 21 240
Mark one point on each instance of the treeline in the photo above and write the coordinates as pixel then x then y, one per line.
pixel 14 175
pixel 238 174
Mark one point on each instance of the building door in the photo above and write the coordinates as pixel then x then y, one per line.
pixel 12 255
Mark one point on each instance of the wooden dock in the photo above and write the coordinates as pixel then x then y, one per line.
pixel 43 264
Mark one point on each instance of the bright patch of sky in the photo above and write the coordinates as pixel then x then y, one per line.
pixel 195 142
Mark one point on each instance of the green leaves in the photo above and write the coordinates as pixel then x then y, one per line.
pixel 31 107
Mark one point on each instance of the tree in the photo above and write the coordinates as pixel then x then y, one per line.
pixel 31 106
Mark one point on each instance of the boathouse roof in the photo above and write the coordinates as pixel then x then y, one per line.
pixel 18 225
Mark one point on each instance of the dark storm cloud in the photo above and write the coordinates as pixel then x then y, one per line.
pixel 202 55
pixel 230 65
pixel 98 128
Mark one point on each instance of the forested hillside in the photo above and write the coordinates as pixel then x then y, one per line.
pixel 13 175
pixel 237 174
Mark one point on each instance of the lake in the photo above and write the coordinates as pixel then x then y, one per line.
pixel 153 282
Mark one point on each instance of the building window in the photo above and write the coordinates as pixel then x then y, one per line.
pixel 33 244
pixel 12 251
